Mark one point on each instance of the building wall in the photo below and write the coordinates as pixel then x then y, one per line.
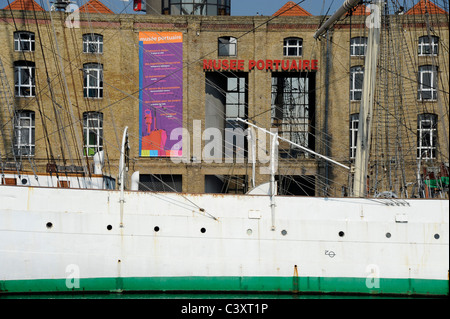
pixel 257 40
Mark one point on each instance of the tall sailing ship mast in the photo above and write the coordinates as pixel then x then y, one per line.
pixel 366 109
pixel 388 98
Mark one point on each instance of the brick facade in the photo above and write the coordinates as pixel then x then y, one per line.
pixel 256 41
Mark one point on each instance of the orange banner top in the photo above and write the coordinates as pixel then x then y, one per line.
pixel 160 37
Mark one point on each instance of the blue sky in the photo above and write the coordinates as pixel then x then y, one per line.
pixel 238 7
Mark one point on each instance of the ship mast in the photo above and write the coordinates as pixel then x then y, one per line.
pixel 367 100
pixel 346 6
pixel 373 22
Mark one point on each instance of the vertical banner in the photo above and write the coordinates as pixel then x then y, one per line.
pixel 161 93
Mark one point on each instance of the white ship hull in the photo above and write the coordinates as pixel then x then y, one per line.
pixel 71 240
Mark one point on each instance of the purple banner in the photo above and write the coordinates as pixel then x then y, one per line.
pixel 161 93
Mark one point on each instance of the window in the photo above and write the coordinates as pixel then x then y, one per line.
pixel 358 46
pixel 292 47
pixel 24 41
pixel 356 82
pixel 427 83
pixel 92 43
pixel 93 80
pixel 227 46
pixel 196 7
pixel 226 100
pixel 292 110
pixel 235 107
pixel 296 185
pixel 161 183
pixel 92 132
pixel 235 97
pixel 24 133
pixel 354 121
pixel 226 184
pixel 24 75
pixel 429 45
pixel 223 8
pixel 426 136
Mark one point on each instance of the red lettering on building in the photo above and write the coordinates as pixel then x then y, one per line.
pixel 217 65
pixel 225 65
pixel 306 65
pixel 293 65
pixel 207 64
pixel 268 65
pixel 251 64
pixel 260 65
pixel 277 64
pixel 241 65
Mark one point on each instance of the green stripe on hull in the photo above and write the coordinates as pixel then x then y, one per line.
pixel 233 284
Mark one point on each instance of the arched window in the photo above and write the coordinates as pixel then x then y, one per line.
pixel 429 45
pixel 24 41
pixel 426 136
pixel 227 46
pixel 92 43
pixel 92 132
pixel 358 46
pixel 356 82
pixel 93 80
pixel 24 133
pixel 293 47
pixel 24 79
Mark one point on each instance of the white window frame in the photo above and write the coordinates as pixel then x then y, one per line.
pixel 227 46
pixel 235 97
pixel 24 79
pixel 354 124
pixel 431 71
pixel 293 43
pixel 291 110
pixel 93 43
pixel 357 44
pixel 354 71
pixel 433 47
pixel 93 80
pixel 24 133
pixel 426 130
pixel 24 41
pixel 92 133
pixel 235 107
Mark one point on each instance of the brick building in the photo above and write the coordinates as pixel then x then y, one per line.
pixel 77 79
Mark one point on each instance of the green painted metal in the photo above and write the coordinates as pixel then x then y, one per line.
pixel 233 284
